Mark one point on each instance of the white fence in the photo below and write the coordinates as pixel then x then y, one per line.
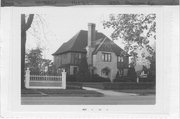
pixel 45 82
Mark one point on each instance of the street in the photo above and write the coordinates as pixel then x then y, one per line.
pixel 121 99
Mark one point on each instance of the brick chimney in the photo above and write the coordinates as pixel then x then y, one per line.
pixel 91 37
pixel 91 33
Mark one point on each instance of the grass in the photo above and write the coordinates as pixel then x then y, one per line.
pixel 139 91
pixel 120 85
pixel 60 92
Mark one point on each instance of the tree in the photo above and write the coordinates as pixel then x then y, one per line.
pixel 36 63
pixel 152 70
pixel 25 25
pixel 135 30
pixel 83 73
pixel 52 69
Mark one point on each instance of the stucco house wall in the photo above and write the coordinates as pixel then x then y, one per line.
pixel 99 64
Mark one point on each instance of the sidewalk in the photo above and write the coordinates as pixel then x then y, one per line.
pixel 109 92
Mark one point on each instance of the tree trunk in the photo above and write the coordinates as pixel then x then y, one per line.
pixel 24 27
pixel 23 45
pixel 23 48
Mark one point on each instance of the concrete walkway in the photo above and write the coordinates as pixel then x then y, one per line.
pixel 110 92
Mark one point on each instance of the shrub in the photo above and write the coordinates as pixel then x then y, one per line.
pixel 86 78
pixel 132 74
pixel 97 78
pixel 71 78
pixel 74 85
pixel 82 77
pixel 122 79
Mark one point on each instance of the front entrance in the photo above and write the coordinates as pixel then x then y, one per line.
pixel 106 72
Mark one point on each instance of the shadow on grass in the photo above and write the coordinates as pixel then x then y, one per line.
pixel 59 92
pixel 141 92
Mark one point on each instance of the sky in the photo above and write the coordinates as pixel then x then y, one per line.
pixel 57 28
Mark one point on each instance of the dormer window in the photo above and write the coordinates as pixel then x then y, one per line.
pixel 120 59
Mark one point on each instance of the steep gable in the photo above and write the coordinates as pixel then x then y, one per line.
pixel 78 43
pixel 109 46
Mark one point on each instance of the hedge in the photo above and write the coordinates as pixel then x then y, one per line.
pixel 94 78
pixel 74 85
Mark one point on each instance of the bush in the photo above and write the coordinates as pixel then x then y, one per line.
pixel 82 77
pixel 74 85
pixel 122 79
pixel 97 78
pixel 71 78
pixel 132 74
pixel 86 78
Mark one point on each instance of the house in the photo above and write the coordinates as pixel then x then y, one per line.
pixel 104 57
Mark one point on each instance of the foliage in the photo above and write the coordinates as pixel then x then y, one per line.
pixel 97 78
pixel 134 29
pixel 132 74
pixel 36 63
pixel 83 73
pixel 152 70
pixel 94 78
pixel 52 69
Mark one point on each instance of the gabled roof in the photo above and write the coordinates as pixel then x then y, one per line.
pixel 109 46
pixel 78 43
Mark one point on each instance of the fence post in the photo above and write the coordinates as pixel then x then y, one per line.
pixel 64 79
pixel 27 78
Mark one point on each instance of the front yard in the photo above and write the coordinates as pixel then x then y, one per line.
pixel 120 85
pixel 59 92
pixel 140 92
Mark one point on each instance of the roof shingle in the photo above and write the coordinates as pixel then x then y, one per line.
pixel 78 43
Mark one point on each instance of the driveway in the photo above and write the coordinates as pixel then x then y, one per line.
pixel 109 92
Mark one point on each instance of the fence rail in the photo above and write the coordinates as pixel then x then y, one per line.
pixel 44 78
pixel 44 81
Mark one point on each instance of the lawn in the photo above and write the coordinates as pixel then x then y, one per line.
pixel 139 91
pixel 120 85
pixel 60 92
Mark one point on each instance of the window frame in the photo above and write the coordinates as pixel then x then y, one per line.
pixel 120 59
pixel 106 57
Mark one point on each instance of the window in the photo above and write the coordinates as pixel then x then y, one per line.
pixel 106 57
pixel 120 59
pixel 79 55
pixel 75 70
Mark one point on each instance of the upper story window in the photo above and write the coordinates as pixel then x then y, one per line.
pixel 120 59
pixel 79 56
pixel 106 57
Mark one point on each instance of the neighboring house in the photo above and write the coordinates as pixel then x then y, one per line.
pixel 104 57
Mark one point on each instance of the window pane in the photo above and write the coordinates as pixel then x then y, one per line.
pixel 119 59
pixel 79 55
pixel 105 57
pixel 102 57
pixel 109 57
